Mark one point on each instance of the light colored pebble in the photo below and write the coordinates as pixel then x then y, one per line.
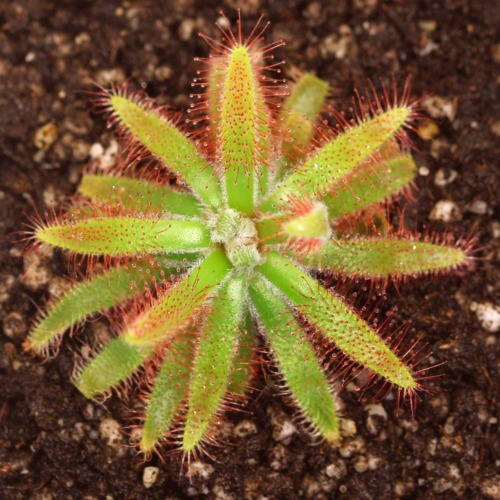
pixel 488 315
pixel 446 211
pixel 244 429
pixel 376 409
pixel 441 107
pixel 110 431
pixel 478 207
pixel 149 476
pixel 339 44
pixel 424 171
pixel 348 427
pixel 351 447
pixel 491 487
pixel 286 432
pixel 336 470
pixel 14 325
pixel 444 177
pixel 199 469
pixel 36 272
pixel 186 29
pixel 45 136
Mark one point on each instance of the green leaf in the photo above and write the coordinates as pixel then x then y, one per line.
pixel 166 142
pixel 299 114
pixel 114 364
pixel 170 389
pixel 213 360
pixel 386 257
pixel 242 362
pixel 337 321
pixel 91 296
pixel 296 359
pixel 126 236
pixel 138 195
pixel 241 130
pixel 367 185
pixel 173 310
pixel 337 159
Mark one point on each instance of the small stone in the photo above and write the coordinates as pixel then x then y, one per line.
pixel 149 475
pixel 491 487
pixel 446 211
pixel 478 207
pixel 36 273
pixel 495 229
pixel 110 431
pixel 337 470
pixel 376 409
pixel 440 107
pixel 286 432
pixel 110 76
pixel 340 45
pixel 199 469
pixel 488 315
pixel 14 325
pixel 186 29
pixel 427 130
pixel 45 136
pixel 429 26
pixel 424 171
pixel 366 6
pixel 444 177
pixel 495 127
pixel 351 447
pixel 244 429
pixel 348 427
pixel 163 73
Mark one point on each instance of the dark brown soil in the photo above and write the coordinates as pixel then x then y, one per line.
pixel 52 440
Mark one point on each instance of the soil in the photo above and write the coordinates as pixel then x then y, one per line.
pixel 54 444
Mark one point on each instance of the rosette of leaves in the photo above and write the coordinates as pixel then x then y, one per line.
pixel 209 268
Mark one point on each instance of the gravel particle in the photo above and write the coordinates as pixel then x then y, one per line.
pixel 186 29
pixel 14 325
pixel 244 429
pixel 348 427
pixel 36 272
pixel 488 315
pixel 149 475
pixel 351 447
pixel 446 211
pixel 110 431
pixel 444 177
pixel 491 487
pixel 199 469
pixel 45 136
pixel 336 470
pixel 441 107
pixel 478 207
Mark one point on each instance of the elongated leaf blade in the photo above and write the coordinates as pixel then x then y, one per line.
pixel 299 114
pixel 169 390
pixel 166 142
pixel 296 359
pixel 138 195
pixel 368 185
pixel 385 257
pixel 213 360
pixel 242 131
pixel 173 310
pixel 126 236
pixel 94 295
pixel 337 321
pixel 337 159
pixel 112 365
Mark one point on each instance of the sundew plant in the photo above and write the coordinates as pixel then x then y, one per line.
pixel 206 244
